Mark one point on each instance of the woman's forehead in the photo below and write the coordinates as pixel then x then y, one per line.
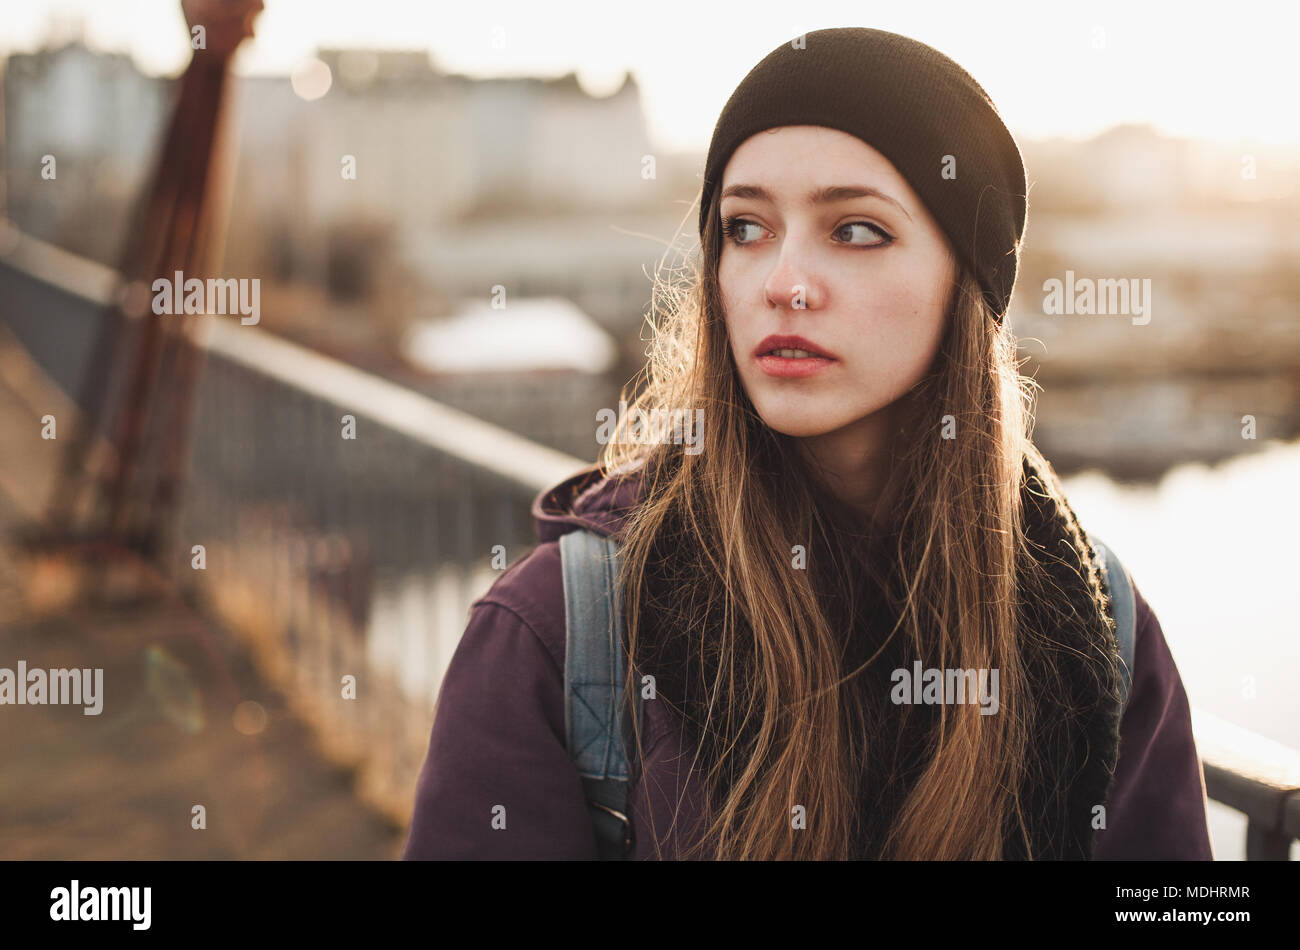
pixel 804 155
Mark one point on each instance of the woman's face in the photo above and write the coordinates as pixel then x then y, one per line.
pixel 865 279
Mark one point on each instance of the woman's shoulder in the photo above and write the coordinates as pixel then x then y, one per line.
pixel 498 733
pixel 532 591
pixel 532 588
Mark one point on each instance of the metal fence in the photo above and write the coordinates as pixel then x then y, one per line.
pixel 346 523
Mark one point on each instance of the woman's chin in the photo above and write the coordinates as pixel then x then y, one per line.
pixel 802 426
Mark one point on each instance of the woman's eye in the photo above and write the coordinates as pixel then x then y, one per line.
pixel 866 231
pixel 734 228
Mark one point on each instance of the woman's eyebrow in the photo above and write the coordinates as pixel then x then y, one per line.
pixel 826 195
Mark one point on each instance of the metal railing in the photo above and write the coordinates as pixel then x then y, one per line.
pixel 329 556
pixel 1253 775
pixel 333 557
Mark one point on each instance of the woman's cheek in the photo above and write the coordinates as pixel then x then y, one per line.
pixel 885 356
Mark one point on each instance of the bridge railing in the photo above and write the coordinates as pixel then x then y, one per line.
pixel 1253 775
pixel 338 523
pixel 346 524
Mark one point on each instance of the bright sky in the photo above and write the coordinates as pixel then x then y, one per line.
pixel 1201 69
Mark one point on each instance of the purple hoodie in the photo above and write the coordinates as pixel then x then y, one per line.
pixel 498 733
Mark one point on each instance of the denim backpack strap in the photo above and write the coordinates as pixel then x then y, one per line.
pixel 594 667
pixel 1123 607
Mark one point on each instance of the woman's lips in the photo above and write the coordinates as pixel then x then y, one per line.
pixel 793 367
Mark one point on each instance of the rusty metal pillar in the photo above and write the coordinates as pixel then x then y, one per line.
pixel 177 227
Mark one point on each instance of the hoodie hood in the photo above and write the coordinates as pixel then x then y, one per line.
pixel 587 499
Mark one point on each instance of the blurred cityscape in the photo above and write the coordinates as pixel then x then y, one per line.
pixel 466 189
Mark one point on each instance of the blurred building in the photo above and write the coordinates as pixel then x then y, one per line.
pixel 399 156
pixel 389 151
pixel 98 118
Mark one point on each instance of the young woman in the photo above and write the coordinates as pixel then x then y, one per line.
pixel 864 503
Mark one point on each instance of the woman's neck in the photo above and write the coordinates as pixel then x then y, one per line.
pixel 853 461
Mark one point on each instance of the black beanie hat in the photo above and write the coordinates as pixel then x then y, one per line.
pixel 915 106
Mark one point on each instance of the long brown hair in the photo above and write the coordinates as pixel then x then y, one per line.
pixel 720 524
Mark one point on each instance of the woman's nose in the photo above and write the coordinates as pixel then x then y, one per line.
pixel 792 283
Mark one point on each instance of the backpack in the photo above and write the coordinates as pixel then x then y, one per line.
pixel 595 664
